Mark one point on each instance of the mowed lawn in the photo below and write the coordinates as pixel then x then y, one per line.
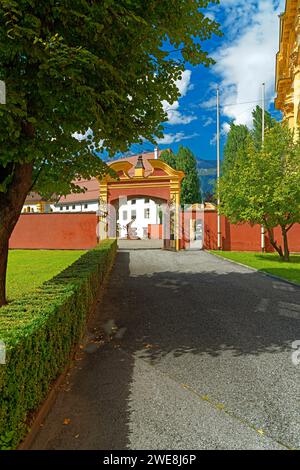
pixel 268 262
pixel 28 269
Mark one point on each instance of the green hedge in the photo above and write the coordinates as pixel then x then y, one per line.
pixel 40 332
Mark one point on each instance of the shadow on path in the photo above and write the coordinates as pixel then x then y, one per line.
pixel 226 332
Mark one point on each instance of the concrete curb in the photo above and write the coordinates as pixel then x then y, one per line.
pixel 264 273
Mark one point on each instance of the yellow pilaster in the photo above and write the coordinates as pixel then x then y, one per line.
pixel 132 177
pixel 41 207
pixel 175 202
pixel 296 101
pixel 103 212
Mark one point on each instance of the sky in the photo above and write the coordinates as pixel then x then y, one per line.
pixel 245 58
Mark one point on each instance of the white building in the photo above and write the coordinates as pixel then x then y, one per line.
pixel 135 215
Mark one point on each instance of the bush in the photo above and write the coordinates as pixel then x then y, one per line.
pixel 40 332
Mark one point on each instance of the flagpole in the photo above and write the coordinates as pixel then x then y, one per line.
pixel 2 92
pixel 218 168
pixel 262 141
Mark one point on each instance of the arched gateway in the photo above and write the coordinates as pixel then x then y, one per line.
pixel 141 176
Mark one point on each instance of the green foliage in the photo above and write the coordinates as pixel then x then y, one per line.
pixel 257 125
pixel 185 161
pixel 75 65
pixel 236 143
pixel 40 331
pixel 168 157
pixel 263 186
pixel 237 139
pixel 190 186
pixel 265 183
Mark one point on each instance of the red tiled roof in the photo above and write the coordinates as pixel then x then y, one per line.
pixel 92 185
pixel 91 193
pixel 35 198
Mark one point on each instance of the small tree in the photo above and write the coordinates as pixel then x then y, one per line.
pixel 263 185
pixel 185 161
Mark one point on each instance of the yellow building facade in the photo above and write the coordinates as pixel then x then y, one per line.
pixel 288 65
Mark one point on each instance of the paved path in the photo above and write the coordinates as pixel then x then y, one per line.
pixel 199 357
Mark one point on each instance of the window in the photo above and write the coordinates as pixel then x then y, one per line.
pixel 85 206
pixel 147 213
pixel 147 200
pixel 124 215
pixel 73 207
pixel 67 208
pixel 133 215
pixel 133 201
pixel 61 208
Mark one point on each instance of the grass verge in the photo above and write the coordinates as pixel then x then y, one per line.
pixel 29 269
pixel 266 262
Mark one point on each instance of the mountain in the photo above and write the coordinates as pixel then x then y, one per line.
pixel 206 164
pixel 207 171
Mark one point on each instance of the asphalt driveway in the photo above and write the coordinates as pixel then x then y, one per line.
pixel 186 351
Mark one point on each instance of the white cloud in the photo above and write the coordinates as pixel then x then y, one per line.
pixel 174 114
pixel 210 15
pixel 184 84
pixel 225 128
pixel 247 59
pixel 176 137
pixel 208 121
pixel 89 137
pixel 88 134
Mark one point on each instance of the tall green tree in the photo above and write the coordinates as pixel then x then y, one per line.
pixel 185 161
pixel 236 142
pixel 77 65
pixel 257 124
pixel 190 186
pixel 263 186
pixel 169 158
pixel 237 137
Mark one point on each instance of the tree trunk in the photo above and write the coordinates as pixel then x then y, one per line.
pixel 274 243
pixel 286 255
pixel 11 203
pixel 3 268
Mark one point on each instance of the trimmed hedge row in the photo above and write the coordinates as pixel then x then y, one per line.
pixel 40 332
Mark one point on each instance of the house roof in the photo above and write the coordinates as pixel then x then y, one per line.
pixel 34 198
pixel 91 194
pixel 92 186
pixel 134 159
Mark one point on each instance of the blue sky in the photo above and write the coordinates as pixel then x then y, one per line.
pixel 245 57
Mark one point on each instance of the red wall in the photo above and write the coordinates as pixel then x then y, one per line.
pixel 293 237
pixel 155 231
pixel 79 231
pixel 55 231
pixel 243 237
